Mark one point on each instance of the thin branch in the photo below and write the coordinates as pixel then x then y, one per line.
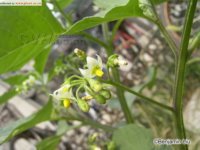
pixel 94 39
pixel 169 40
pixel 139 95
pixel 86 121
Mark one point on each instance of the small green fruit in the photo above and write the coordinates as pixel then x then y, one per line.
pixel 100 99
pixel 83 105
pixel 105 93
pixel 95 85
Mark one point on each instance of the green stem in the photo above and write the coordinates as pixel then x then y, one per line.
pixel 180 73
pixel 116 77
pixel 94 39
pixel 90 122
pixel 194 43
pixel 116 27
pixel 193 60
pixel 168 38
pixel 69 22
pixel 122 99
pixel 97 125
pixel 106 35
pixel 140 95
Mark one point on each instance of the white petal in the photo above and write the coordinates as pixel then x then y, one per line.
pixel 62 93
pixel 56 95
pixel 86 73
pixel 100 64
pixel 91 62
pixel 83 71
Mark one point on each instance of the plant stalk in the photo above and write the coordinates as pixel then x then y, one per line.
pixel 180 73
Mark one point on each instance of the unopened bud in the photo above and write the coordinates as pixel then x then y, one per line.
pixel 121 62
pixel 111 145
pixel 105 93
pixel 92 138
pixel 80 53
pixel 95 85
pixel 83 105
pixel 113 61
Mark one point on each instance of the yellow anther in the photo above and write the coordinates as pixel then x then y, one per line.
pixel 66 103
pixel 88 97
pixel 99 72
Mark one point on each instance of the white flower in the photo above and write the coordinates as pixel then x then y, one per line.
pixel 94 67
pixel 63 93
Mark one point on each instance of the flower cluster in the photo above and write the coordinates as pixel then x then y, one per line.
pixel 80 89
pixel 26 84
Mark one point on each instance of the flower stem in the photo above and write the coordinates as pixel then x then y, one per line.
pixel 120 91
pixel 122 99
pixel 180 73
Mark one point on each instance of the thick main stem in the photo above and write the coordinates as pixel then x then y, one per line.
pixel 180 73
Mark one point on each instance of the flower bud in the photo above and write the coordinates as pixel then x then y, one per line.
pixel 95 85
pixel 83 105
pixel 92 138
pixel 111 145
pixel 18 89
pixel 80 53
pixel 100 99
pixel 113 61
pixel 105 93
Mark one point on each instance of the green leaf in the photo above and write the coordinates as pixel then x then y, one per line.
pixel 49 143
pixel 133 137
pixel 26 32
pixel 41 59
pixel 52 142
pixel 7 95
pixel 23 124
pixel 109 11
pixel 64 3
pixel 16 79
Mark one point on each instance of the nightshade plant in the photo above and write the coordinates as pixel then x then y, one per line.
pixel 89 81
pixel 27 33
